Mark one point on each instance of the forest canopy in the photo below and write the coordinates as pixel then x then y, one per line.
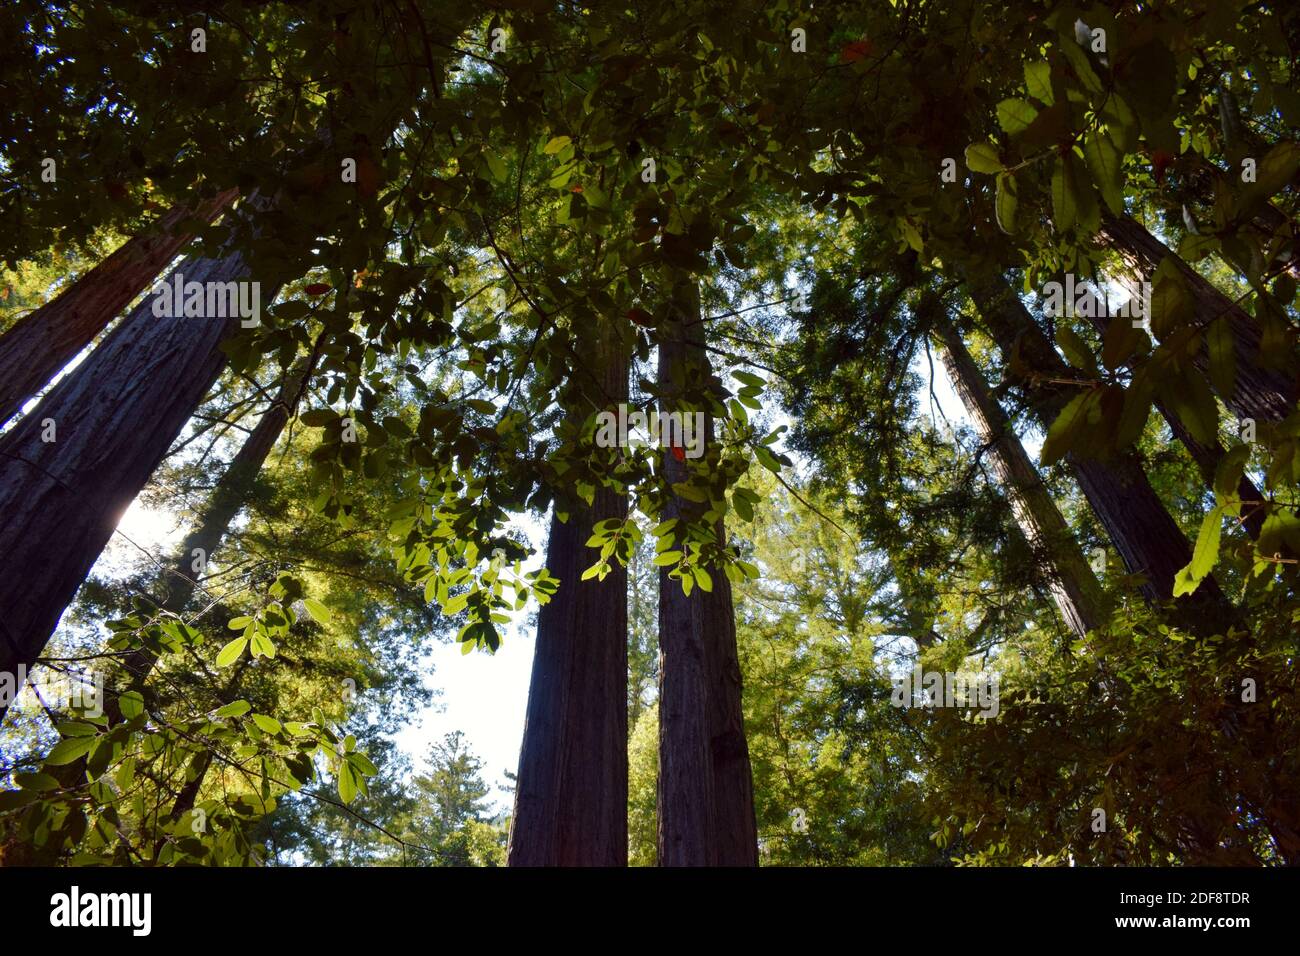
pixel 879 421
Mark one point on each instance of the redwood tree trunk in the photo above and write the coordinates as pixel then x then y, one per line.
pixel 705 791
pixel 1263 394
pixel 1071 581
pixel 33 351
pixel 115 418
pixel 571 792
pixel 1147 538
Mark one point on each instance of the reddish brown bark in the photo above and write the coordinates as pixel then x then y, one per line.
pixel 115 418
pixel 705 790
pixel 571 790
pixel 33 351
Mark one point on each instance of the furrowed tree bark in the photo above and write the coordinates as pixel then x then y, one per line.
pixel 115 418
pixel 571 790
pixel 1147 538
pixel 1074 587
pixel 1265 395
pixel 705 791
pixel 33 351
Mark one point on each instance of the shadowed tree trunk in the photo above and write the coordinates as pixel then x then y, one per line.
pixel 571 792
pixel 1147 538
pixel 1265 395
pixel 1071 581
pixel 705 790
pixel 113 419
pixel 33 351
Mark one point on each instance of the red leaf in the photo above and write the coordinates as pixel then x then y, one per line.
pixel 641 317
pixel 317 288
pixel 857 50
pixel 679 452
pixel 1159 160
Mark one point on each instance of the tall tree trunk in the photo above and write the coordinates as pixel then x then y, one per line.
pixel 1206 457
pixel 1071 581
pixel 180 583
pixel 115 418
pixel 1264 395
pixel 571 792
pixel 33 351
pixel 1147 538
pixel 705 790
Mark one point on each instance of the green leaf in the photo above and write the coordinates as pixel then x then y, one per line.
pixel 77 728
pixel 1229 471
pixel 362 763
pixel 767 459
pixel 36 781
pixel 346 783
pixel 556 144
pixel 1038 81
pixel 1064 210
pixel 1223 358
pixel 1274 171
pixel 1121 123
pixel 1120 342
pixel 1204 555
pixel 1082 67
pixel 1006 202
pixel 131 704
pixel 13 799
pixel 495 165
pixel 1105 162
pixel 1137 409
pixel 910 235
pixel 267 724
pixel 318 417
pixel 1063 430
pixel 235 708
pixel 262 646
pixel 1076 350
pixel 73 748
pixel 1172 305
pixel 230 653
pixel 319 612
pixel 1015 115
pixel 983 158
